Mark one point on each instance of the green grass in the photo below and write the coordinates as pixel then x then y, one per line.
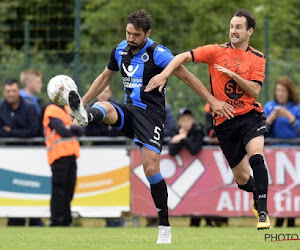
pixel 141 238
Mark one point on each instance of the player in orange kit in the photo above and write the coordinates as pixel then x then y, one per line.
pixel 237 72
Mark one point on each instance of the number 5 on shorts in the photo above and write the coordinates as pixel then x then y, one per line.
pixel 157 133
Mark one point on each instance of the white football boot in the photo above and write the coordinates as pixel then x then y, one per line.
pixel 77 109
pixel 164 235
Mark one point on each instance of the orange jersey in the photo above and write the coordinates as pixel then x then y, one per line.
pixel 249 64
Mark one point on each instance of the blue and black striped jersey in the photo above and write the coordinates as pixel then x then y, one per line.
pixel 138 69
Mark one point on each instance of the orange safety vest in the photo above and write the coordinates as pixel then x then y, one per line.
pixel 58 146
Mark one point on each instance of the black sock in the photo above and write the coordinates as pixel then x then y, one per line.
pixel 159 194
pixel 95 116
pixel 249 186
pixel 261 181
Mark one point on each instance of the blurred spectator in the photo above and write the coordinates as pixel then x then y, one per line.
pixel 62 151
pixel 283 113
pixel 189 135
pixel 32 82
pixel 283 118
pixel 209 124
pixel 104 129
pixel 18 118
pixel 170 123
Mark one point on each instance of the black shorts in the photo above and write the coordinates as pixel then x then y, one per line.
pixel 144 126
pixel 234 134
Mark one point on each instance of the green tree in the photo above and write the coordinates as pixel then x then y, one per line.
pixel 179 25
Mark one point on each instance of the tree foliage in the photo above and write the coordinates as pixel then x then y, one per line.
pixel 179 25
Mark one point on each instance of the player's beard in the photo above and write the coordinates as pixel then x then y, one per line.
pixel 137 47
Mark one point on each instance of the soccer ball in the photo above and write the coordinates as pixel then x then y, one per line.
pixel 59 87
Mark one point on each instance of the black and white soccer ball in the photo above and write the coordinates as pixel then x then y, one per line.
pixel 59 87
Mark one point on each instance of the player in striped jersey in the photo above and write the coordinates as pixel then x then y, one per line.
pixel 142 116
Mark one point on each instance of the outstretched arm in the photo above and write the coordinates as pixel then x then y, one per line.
pixel 98 85
pixel 219 107
pixel 161 79
pixel 175 66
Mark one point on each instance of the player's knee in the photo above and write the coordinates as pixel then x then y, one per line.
pixel 257 160
pixel 111 115
pixel 242 178
pixel 241 175
pixel 150 171
pixel 249 186
pixel 106 105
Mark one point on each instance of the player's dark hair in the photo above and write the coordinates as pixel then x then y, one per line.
pixel 140 19
pixel 290 86
pixel 11 81
pixel 250 19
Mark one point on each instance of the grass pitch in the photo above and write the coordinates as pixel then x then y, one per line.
pixel 142 238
